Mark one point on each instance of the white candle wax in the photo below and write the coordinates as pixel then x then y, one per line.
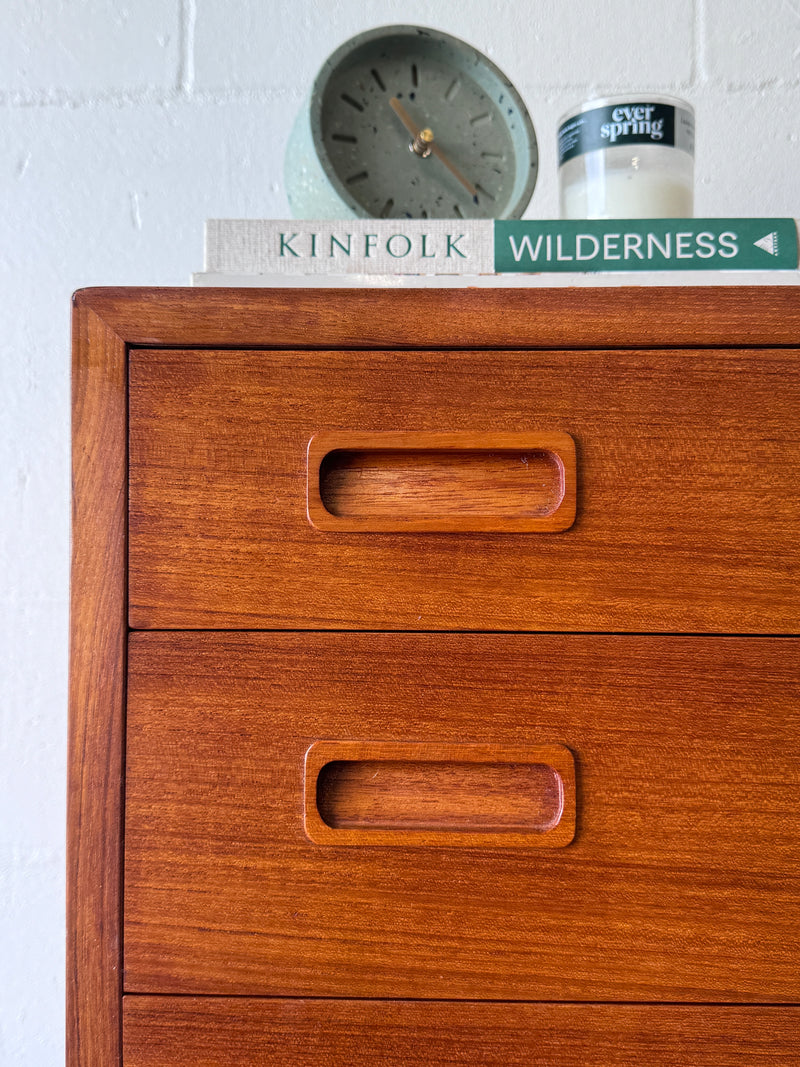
pixel 632 190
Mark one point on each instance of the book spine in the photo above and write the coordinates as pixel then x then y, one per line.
pixel 357 246
pixel 645 245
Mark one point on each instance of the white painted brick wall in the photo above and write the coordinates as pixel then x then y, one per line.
pixel 748 52
pixel 69 49
pixel 548 45
pixel 122 127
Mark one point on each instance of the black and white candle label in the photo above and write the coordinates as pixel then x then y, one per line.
pixel 625 124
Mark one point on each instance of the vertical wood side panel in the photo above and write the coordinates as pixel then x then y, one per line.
pixel 96 692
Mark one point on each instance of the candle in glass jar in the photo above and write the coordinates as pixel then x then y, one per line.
pixel 627 158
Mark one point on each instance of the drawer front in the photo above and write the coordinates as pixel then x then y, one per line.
pixel 239 1032
pixel 430 505
pixel 680 880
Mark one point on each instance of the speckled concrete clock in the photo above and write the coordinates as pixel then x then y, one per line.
pixel 406 122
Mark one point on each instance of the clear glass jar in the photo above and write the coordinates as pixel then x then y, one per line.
pixel 626 158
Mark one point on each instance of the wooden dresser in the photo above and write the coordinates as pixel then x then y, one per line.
pixel 435 692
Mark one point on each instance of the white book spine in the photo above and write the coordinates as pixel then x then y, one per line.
pixel 357 246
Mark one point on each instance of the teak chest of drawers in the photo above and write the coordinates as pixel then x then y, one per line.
pixel 435 680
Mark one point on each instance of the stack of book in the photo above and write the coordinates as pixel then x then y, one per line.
pixel 266 248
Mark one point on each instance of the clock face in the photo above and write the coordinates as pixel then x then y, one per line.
pixel 375 96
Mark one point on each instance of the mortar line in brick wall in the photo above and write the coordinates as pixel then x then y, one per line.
pixel 188 19
pixel 766 85
pixel 699 71
pixel 64 100
pixel 701 21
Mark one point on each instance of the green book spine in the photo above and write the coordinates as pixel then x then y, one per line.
pixel 523 246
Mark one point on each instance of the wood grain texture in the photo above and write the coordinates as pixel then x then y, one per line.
pixel 441 482
pixel 683 878
pixel 96 694
pixel 366 793
pixel 688 518
pixel 682 883
pixel 224 1032
pixel 632 317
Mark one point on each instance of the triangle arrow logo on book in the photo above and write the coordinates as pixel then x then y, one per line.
pixel 769 243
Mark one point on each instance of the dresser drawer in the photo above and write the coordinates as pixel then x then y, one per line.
pixel 679 882
pixel 239 1032
pixel 684 483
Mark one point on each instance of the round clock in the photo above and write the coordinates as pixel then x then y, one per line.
pixel 405 122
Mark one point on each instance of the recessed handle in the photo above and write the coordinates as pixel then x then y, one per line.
pixel 441 482
pixel 393 793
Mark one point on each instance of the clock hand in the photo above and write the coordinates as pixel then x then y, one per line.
pixel 473 192
pixel 423 144
pixel 404 116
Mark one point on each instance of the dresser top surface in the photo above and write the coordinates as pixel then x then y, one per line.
pixel 447 318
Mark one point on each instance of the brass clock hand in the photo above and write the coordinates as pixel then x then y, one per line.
pixel 422 139
pixel 424 144
pixel 404 116
pixel 473 192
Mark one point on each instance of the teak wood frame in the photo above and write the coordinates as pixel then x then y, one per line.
pixel 106 323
